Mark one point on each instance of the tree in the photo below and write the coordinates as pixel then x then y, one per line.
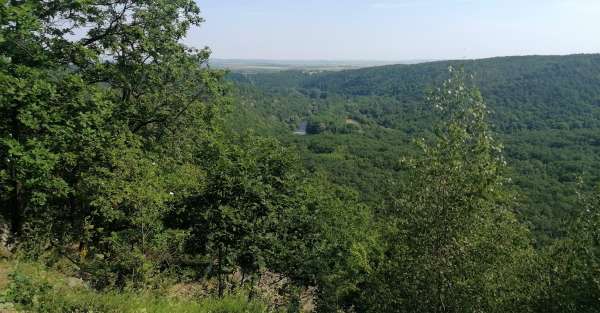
pixel 456 246
pixel 102 112
pixel 233 218
pixel 259 211
pixel 114 156
pixel 572 264
pixel 326 240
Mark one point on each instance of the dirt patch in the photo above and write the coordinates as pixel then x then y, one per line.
pixel 352 122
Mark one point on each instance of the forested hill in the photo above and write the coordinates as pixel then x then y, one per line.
pixel 562 91
pixel 150 183
pixel 532 92
pixel 545 109
pixel 559 71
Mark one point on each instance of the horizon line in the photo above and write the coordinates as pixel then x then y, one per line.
pixel 398 60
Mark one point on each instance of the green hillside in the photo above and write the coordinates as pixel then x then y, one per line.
pixel 545 109
pixel 134 177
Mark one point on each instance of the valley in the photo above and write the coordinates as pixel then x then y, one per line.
pixel 550 132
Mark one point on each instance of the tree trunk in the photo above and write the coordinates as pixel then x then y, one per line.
pixel 16 211
pixel 220 273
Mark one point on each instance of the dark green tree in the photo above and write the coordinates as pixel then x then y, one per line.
pixel 572 264
pixel 102 110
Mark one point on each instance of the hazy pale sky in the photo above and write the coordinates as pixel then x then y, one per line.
pixel 396 29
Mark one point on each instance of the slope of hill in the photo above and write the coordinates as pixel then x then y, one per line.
pixel 546 110
pixel 531 92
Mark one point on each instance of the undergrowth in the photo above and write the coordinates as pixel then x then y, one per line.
pixel 32 288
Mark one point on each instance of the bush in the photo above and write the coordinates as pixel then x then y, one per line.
pixel 46 293
pixel 23 290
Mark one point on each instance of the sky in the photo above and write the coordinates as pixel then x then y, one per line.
pixel 395 30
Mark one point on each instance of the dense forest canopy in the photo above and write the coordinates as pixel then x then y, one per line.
pixel 545 109
pixel 136 178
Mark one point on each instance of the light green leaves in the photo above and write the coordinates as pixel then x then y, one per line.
pixel 454 232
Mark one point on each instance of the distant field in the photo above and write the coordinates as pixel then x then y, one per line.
pixel 262 66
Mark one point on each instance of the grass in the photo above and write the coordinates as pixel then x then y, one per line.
pixel 29 287
pixel 4 271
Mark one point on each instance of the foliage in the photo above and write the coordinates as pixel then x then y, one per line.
pixel 327 242
pixel 544 109
pixel 573 263
pixel 122 154
pixel 31 289
pixel 456 246
pixel 114 155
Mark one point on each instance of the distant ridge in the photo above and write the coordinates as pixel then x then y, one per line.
pixel 265 65
pixel 557 71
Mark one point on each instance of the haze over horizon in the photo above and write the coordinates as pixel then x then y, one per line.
pixel 396 30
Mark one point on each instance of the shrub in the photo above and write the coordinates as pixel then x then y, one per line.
pixel 38 293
